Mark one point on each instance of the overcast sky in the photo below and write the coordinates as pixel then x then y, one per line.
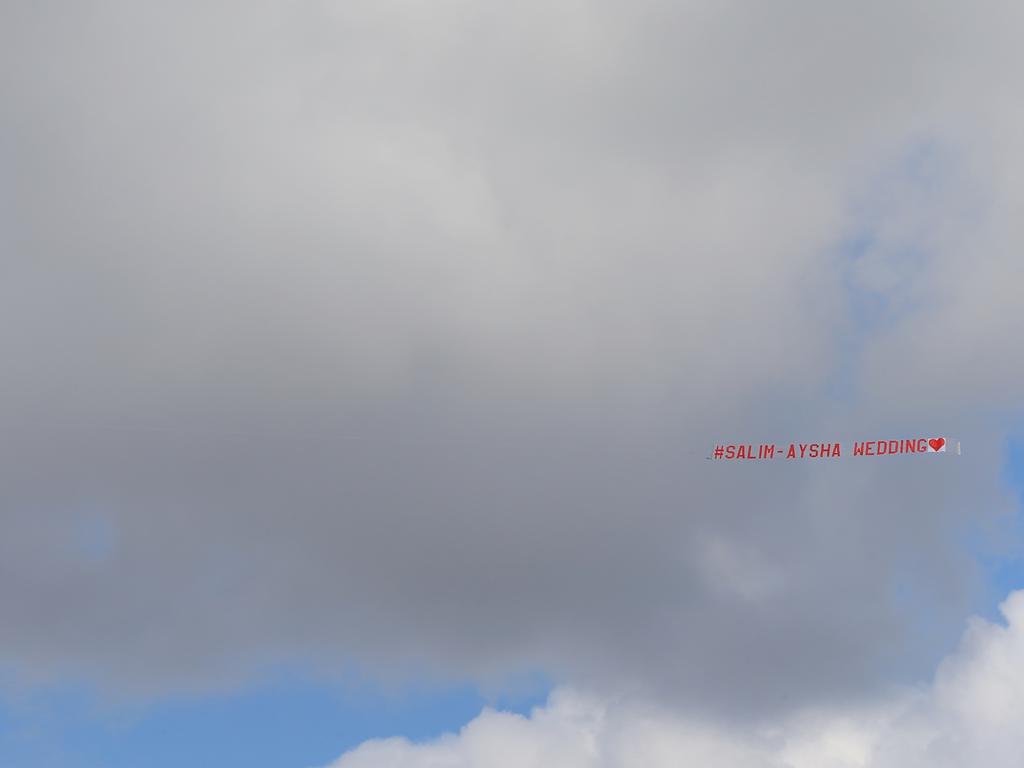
pixel 389 338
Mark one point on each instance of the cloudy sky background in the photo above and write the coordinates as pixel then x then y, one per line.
pixel 368 345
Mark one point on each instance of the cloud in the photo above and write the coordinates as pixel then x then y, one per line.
pixel 968 716
pixel 395 334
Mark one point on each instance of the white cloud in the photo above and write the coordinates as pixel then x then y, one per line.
pixel 970 716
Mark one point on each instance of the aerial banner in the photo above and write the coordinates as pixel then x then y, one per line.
pixel 833 449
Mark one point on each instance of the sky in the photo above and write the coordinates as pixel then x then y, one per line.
pixel 359 361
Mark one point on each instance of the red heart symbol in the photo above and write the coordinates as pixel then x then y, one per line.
pixel 937 442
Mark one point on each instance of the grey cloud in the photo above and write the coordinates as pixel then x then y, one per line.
pixel 396 335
